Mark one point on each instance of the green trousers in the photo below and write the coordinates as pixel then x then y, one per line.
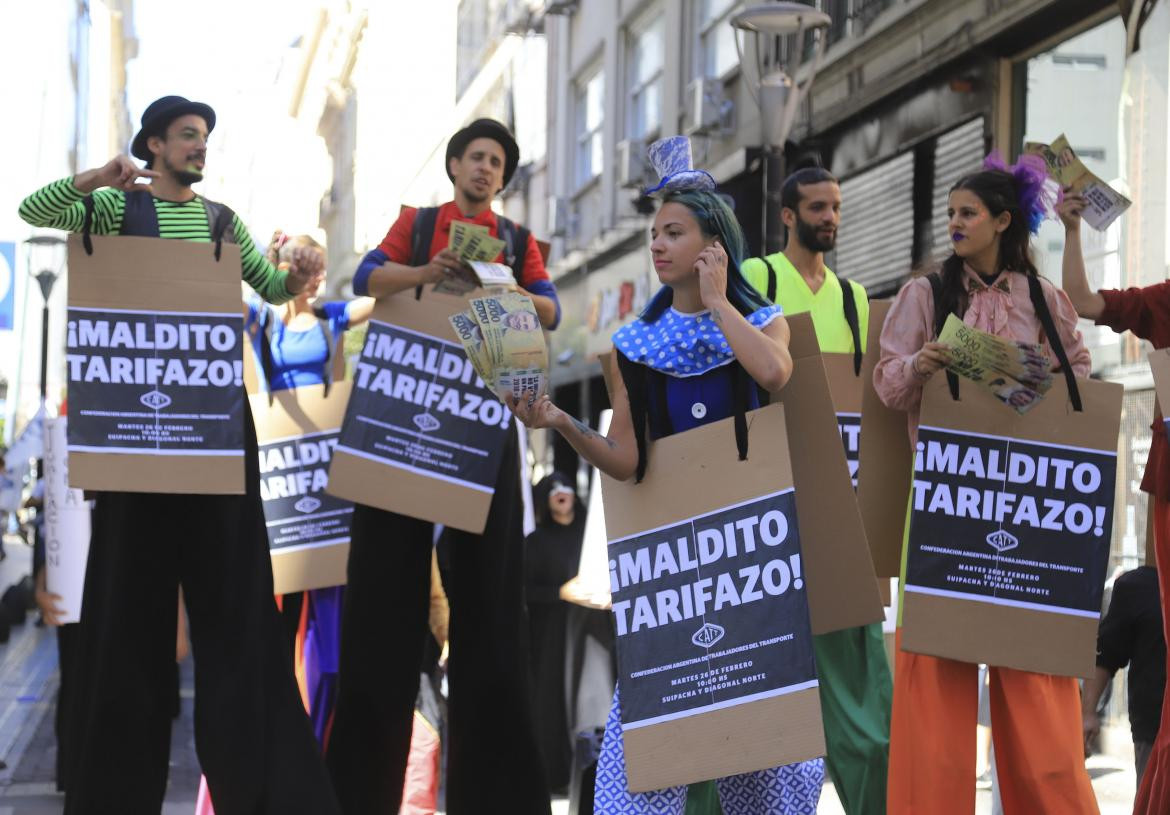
pixel 703 799
pixel 856 695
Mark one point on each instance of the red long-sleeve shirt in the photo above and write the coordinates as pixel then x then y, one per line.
pixel 1145 312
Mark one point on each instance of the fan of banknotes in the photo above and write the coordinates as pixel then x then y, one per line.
pixel 476 248
pixel 1016 373
pixel 504 340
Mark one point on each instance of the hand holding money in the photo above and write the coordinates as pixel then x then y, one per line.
pixel 536 412
pixel 1016 373
pixel 439 268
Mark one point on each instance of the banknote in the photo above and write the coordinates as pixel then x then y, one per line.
pixel 459 234
pixel 477 275
pixel 514 341
pixel 467 329
pixel 1016 373
pixel 493 274
pixel 457 283
pixel 1103 204
pixel 976 351
pixel 473 242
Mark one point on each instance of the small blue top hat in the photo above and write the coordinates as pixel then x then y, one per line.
pixel 671 159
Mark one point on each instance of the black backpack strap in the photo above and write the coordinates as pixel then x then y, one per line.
pixel 139 217
pixel 264 317
pixel 940 318
pixel 741 384
pixel 772 280
pixel 421 233
pixel 87 224
pixel 849 302
pixel 330 349
pixel 1040 305
pixel 219 223
pixel 515 238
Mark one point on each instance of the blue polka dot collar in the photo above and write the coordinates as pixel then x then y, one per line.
pixel 681 344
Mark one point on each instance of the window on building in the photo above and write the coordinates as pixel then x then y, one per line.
pixel 647 45
pixel 590 114
pixel 480 27
pixel 716 37
pixel 1109 145
pixel 1080 62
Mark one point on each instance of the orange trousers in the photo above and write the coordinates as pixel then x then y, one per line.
pixel 1035 724
pixel 1153 797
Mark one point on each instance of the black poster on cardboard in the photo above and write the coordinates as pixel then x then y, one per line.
pixel 297 510
pixel 154 382
pixel 711 612
pixel 850 426
pixel 417 404
pixel 1010 522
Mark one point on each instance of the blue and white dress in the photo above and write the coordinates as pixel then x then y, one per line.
pixel 299 358
pixel 691 351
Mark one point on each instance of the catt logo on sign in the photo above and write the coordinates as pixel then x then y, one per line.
pixel 155 400
pixel 708 635
pixel 1001 541
pixel 426 422
pixel 307 504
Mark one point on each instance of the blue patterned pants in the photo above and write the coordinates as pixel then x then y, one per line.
pixel 794 789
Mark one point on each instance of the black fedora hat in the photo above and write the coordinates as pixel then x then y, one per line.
pixel 485 129
pixel 160 113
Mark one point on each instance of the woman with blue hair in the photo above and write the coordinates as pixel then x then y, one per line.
pixel 695 355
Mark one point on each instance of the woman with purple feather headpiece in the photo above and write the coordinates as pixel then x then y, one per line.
pixel 1036 718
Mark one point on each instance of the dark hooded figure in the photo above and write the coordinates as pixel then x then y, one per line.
pixel 551 556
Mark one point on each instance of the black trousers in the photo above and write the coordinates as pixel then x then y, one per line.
pixel 254 741
pixel 493 761
pixel 66 664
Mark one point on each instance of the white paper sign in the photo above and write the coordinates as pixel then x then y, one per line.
pixel 67 526
pixel 593 569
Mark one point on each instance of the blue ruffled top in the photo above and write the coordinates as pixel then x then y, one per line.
pixel 682 345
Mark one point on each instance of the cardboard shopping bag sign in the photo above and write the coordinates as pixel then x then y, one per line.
pixel 422 436
pixel 1011 521
pixel 843 589
pixel 845 386
pixel 308 529
pixel 154 366
pixel 709 591
pixel 885 463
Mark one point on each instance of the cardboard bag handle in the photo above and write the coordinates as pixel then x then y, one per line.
pixel 87 224
pixel 1043 313
pixel 1040 304
pixel 939 318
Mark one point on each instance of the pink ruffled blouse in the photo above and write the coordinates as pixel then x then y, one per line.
pixel 1004 309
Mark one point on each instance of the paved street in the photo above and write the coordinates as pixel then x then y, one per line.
pixel 28 686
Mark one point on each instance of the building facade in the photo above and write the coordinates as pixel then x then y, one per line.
pixel 75 101
pixel 910 94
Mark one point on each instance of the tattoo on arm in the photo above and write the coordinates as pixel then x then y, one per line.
pixel 588 432
pixel 717 316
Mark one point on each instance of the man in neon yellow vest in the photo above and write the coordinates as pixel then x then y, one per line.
pixel 855 683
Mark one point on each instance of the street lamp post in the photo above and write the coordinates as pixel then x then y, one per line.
pixel 41 246
pixel 777 91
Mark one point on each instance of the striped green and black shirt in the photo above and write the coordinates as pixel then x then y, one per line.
pixel 59 206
